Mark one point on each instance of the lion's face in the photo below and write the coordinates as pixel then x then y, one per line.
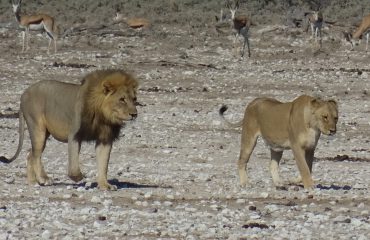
pixel 120 101
pixel 326 116
pixel 121 106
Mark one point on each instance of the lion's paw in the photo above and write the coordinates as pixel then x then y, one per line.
pixel 43 181
pixel 76 177
pixel 244 184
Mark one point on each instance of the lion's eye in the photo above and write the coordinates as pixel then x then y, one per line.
pixel 325 118
pixel 122 100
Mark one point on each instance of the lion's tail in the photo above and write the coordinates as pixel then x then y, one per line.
pixel 222 110
pixel 20 141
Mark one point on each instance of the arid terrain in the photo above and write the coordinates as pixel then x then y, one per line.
pixel 175 165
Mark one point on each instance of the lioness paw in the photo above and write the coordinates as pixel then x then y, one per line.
pixel 107 186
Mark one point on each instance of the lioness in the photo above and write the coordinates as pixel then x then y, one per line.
pixel 93 111
pixel 293 125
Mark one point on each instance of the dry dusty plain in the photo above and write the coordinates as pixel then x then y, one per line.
pixel 175 166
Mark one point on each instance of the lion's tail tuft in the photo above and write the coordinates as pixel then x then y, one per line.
pixel 222 110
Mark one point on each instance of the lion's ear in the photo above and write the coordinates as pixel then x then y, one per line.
pixel 316 102
pixel 112 82
pixel 108 88
pixel 331 101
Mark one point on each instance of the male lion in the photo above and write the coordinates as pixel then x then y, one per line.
pixel 293 125
pixel 93 111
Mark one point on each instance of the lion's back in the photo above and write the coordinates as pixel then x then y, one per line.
pixel 50 92
pixel 50 105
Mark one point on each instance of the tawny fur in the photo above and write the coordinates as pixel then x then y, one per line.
pixel 295 125
pixel 93 111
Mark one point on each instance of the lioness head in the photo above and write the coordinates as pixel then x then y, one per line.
pixel 326 115
pixel 111 96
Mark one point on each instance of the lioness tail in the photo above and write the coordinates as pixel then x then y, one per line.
pixel 222 110
pixel 20 141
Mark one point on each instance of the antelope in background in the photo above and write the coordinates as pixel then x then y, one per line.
pixel 315 20
pixel 38 22
pixel 241 25
pixel 363 29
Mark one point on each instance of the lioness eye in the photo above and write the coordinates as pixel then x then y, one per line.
pixel 122 100
pixel 325 118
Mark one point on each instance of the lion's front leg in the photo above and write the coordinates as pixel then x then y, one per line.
pixel 74 171
pixel 102 157
pixel 304 170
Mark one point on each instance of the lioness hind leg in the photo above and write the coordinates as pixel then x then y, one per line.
pixel 36 168
pixel 102 157
pixel 248 142
pixel 274 167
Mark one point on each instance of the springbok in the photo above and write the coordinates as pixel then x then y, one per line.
pixel 315 20
pixel 241 25
pixel 363 29
pixel 38 22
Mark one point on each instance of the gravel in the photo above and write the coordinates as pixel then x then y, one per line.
pixel 175 166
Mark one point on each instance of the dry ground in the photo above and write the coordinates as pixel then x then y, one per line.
pixel 175 166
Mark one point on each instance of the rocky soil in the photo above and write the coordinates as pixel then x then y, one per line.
pixel 175 166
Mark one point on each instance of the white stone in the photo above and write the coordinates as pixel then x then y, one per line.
pixel 264 195
pixel 46 234
pixel 95 199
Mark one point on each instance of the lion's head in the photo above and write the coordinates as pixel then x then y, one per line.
pixel 119 103
pixel 325 115
pixel 110 100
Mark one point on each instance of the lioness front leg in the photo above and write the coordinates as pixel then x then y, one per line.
pixel 304 170
pixel 309 155
pixel 74 171
pixel 102 157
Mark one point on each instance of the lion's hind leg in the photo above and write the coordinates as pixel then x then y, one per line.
pixel 31 175
pixel 248 142
pixel 35 168
pixel 274 167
